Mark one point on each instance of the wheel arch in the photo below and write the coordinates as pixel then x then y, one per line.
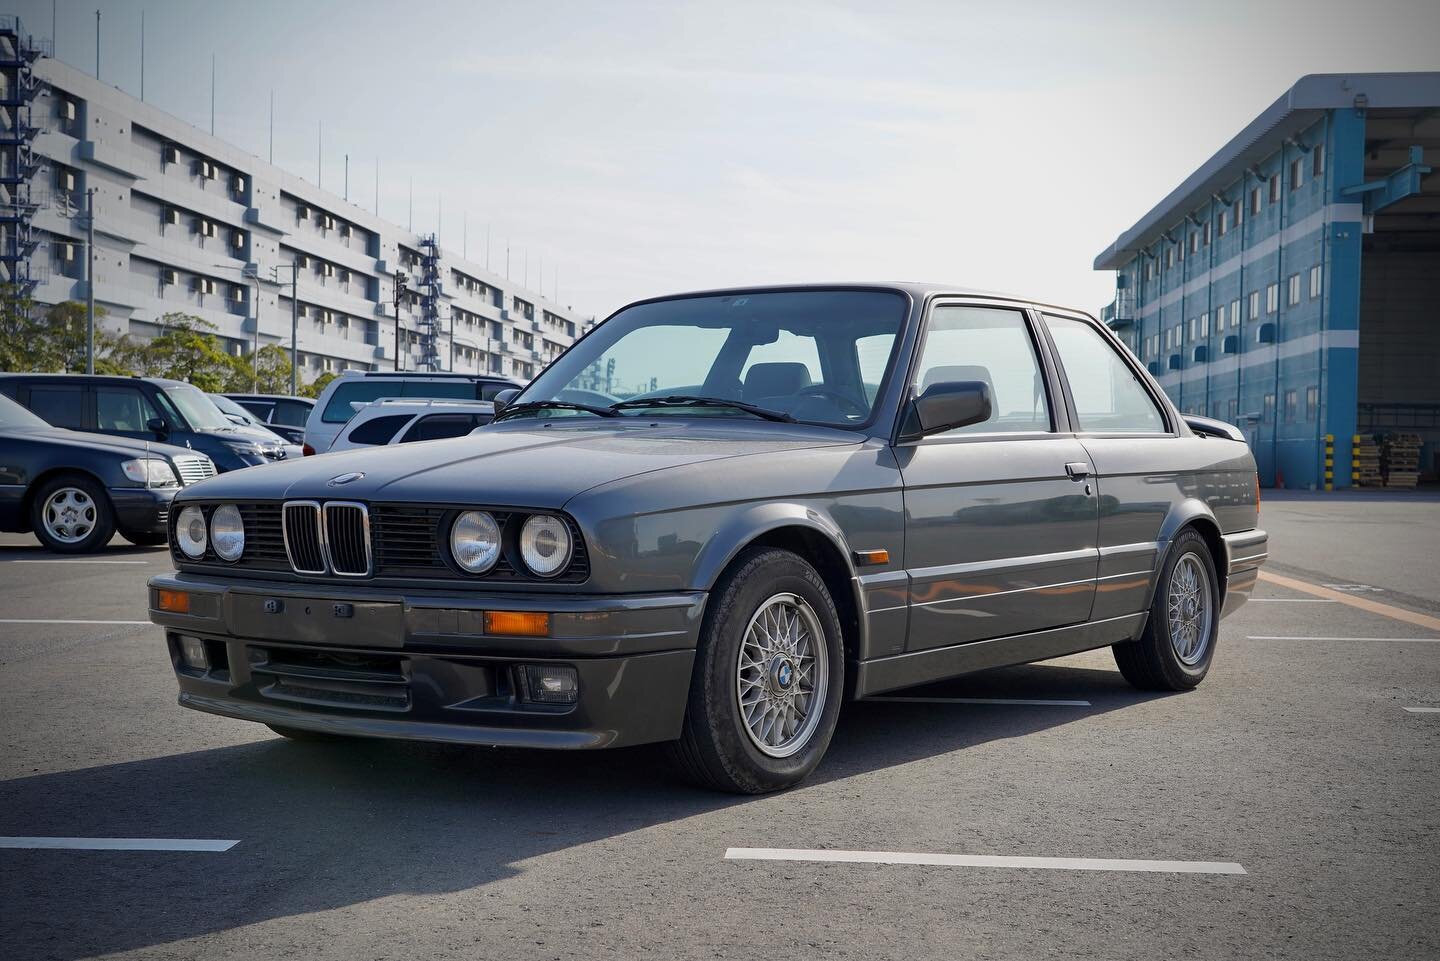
pixel 1195 514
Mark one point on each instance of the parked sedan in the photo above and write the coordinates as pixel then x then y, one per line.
pixel 714 519
pixel 75 490
pixel 242 417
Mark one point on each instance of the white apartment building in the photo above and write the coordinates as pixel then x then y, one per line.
pixel 187 222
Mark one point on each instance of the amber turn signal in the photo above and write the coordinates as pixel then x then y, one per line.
pixel 871 558
pixel 517 623
pixel 176 602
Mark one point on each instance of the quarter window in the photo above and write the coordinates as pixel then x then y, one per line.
pixel 58 404
pixel 379 430
pixel 991 345
pixel 1109 395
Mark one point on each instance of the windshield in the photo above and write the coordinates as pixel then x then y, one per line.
pixel 14 417
pixel 232 409
pixel 198 410
pixel 815 356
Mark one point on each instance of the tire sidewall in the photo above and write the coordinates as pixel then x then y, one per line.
pixel 777 572
pixel 98 537
pixel 1185 675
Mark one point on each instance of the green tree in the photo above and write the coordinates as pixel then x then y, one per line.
pixel 273 372
pixel 51 340
pixel 184 350
pixel 317 385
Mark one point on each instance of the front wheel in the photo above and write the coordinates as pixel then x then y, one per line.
pixel 769 671
pixel 71 514
pixel 1175 652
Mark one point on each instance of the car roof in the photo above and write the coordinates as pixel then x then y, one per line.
pixel 422 404
pixel 918 290
pixel 162 382
pixel 303 400
pixel 424 375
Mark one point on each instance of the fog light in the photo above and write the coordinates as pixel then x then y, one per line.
pixel 546 684
pixel 192 653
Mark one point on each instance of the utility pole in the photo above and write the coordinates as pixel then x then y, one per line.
pixel 399 297
pixel 294 320
pixel 97 44
pixel 347 177
pixel 90 266
pixel 212 95
pixel 142 56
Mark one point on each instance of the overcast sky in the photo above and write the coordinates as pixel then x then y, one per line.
pixel 643 148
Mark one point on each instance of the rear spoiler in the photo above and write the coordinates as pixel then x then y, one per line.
pixel 1210 427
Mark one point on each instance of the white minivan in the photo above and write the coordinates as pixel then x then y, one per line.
pixel 337 402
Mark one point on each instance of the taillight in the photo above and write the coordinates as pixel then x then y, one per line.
pixel 307 451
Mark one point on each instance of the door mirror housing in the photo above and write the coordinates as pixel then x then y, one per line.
pixel 946 406
pixel 502 399
pixel 159 427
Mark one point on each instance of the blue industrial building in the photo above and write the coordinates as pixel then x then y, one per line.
pixel 1291 285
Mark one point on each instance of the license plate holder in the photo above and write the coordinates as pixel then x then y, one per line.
pixel 316 620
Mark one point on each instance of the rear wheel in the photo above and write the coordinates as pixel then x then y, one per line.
pixel 71 515
pixel 1175 652
pixel 769 673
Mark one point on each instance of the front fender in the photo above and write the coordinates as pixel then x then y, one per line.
pixel 752 521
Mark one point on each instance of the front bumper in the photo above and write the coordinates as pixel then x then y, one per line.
pixel 352 660
pixel 1245 551
pixel 141 510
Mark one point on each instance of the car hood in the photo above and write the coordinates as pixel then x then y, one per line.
pixel 244 434
pixel 127 446
pixel 515 464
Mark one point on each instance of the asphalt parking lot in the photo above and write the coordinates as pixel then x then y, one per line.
pixel 1291 801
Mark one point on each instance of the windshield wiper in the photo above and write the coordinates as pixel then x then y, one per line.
pixel 685 400
pixel 553 405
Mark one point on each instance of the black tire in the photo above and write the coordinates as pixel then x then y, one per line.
pixel 716 749
pixel 1153 662
pixel 301 734
pixel 100 515
pixel 145 539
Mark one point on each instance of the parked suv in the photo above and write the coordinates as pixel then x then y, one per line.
pixel 406 421
pixel 714 519
pixel 336 404
pixel 145 408
pixel 283 414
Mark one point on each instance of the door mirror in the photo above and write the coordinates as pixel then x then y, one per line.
pixel 503 398
pixel 946 406
pixel 158 427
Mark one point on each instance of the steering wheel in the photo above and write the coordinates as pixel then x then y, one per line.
pixel 845 402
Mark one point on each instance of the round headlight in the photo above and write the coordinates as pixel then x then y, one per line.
pixel 545 545
pixel 190 532
pixel 475 541
pixel 227 532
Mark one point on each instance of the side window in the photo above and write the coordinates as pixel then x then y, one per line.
pixel 488 391
pixel 259 408
pixel 438 426
pixel 338 409
pixel 379 430
pixel 59 404
pixel 1109 397
pixel 458 389
pixel 122 408
pixel 290 414
pixel 991 345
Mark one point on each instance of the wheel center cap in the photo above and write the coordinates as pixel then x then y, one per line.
pixel 782 674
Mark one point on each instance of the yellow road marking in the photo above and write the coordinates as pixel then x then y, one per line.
pixel 1363 603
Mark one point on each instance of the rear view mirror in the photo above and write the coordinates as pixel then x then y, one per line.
pixel 502 399
pixel 948 405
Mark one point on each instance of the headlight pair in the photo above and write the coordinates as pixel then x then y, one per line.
pixel 545 543
pixel 226 532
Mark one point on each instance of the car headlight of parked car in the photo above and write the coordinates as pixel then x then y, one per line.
pixel 227 532
pixel 545 545
pixel 475 541
pixel 150 472
pixel 190 532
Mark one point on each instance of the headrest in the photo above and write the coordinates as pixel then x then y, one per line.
pixel 775 380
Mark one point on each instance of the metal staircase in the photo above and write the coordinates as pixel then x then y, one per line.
pixel 21 168
pixel 430 291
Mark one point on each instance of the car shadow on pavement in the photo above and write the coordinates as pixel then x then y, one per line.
pixel 326 826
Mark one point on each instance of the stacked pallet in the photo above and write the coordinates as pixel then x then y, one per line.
pixel 1365 462
pixel 1401 457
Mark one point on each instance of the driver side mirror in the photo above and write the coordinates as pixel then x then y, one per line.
pixel 502 399
pixel 946 406
pixel 159 427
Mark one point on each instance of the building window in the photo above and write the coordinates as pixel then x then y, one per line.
pixel 1267 410
pixel 1234 408
pixel 1297 173
pixel 1317 162
pixel 1275 189
pixel 1254 304
pixel 1291 400
pixel 1194 241
pixel 1205 324
pixel 1312 403
pixel 1256 200
pixel 1238 213
pixel 1223 222
pixel 1294 291
pixel 1314 281
pixel 1169 258
pixel 1272 298
pixel 1206 239
pixel 1235 313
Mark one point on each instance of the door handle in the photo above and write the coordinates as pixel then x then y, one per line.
pixel 1079 470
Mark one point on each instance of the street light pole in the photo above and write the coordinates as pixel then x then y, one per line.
pixel 90 251
pixel 399 296
pixel 255 354
pixel 294 266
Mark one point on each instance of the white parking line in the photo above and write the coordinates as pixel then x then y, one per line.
pixel 65 560
pixel 983 861
pixel 1423 710
pixel 26 620
pixel 118 844
pixel 1394 640
pixel 1034 702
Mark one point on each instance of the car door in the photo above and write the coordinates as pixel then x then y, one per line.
pixel 1000 517
pixel 1134 448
